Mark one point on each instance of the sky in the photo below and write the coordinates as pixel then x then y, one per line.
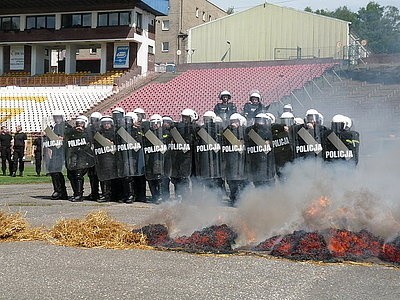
pixel 353 5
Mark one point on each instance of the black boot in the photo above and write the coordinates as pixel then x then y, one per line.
pixel 106 197
pixel 78 192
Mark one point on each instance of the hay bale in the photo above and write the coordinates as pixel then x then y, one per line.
pixel 14 227
pixel 96 230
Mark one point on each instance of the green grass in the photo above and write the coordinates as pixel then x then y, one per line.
pixel 29 177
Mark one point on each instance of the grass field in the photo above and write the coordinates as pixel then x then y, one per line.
pixel 29 177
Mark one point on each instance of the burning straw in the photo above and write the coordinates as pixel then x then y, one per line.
pixel 14 227
pixel 96 230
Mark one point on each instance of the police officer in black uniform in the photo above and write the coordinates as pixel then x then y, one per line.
pixel 79 156
pixel 19 151
pixel 94 125
pixel 253 108
pixel 225 109
pixel 167 138
pixel 260 161
pixel 5 150
pixel 340 143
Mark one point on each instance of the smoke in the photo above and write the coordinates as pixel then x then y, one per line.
pixel 315 195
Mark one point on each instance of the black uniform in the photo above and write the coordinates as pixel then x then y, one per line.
pixel 91 172
pixel 282 146
pixel 250 111
pixel 38 155
pixel 5 151
pixel 260 161
pixel 19 153
pixel 307 142
pixel 341 146
pixel 233 160
pixel 224 111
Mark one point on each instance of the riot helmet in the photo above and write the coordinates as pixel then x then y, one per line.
pixel 225 96
pixel 81 121
pixel 298 121
pixel 118 114
pixel 262 119
pixel 237 120
pixel 255 98
pixel 340 123
pixel 106 122
pixel 288 108
pixel 188 115
pixel 218 120
pixel 95 117
pixel 58 116
pixel 209 117
pixel 141 114
pixel 312 116
pixel 156 121
pixel 132 117
pixel 167 122
pixel 287 118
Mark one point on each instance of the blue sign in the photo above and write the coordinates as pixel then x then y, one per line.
pixel 121 58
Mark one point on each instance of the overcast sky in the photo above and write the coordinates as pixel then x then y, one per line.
pixel 353 5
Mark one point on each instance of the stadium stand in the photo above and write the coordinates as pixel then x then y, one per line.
pixel 199 88
pixel 32 106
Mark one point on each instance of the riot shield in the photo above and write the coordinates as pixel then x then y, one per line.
pixel 208 151
pixel 260 162
pixel 307 142
pixel 154 150
pixel 282 145
pixel 130 160
pixel 233 153
pixel 105 154
pixel 53 148
pixel 343 146
pixel 181 149
pixel 78 149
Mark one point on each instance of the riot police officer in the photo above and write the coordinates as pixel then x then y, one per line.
pixel 19 151
pixel 94 125
pixel 233 156
pixel 260 162
pixel 208 149
pixel 154 150
pixel 340 143
pixel 54 154
pixel 105 151
pixel 225 109
pixel 253 107
pixel 307 137
pixel 167 138
pixel 79 156
pixel 182 153
pixel 5 150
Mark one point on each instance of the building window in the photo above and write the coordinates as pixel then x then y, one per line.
pixel 197 12
pixel 39 22
pixel 151 49
pixel 139 20
pixel 164 46
pixel 76 20
pixel 9 23
pixel 165 24
pixel 209 18
pixel 204 16
pixel 93 51
pixel 121 18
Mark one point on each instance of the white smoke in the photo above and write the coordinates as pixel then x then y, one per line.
pixel 362 197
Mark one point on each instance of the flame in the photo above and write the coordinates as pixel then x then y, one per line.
pixel 317 208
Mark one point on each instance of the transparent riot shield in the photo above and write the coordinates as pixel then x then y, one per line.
pixel 180 148
pixel 53 148
pixel 307 142
pixel 78 149
pixel 282 145
pixel 154 151
pixel 260 162
pixel 234 153
pixel 130 160
pixel 341 146
pixel 208 149
pixel 105 154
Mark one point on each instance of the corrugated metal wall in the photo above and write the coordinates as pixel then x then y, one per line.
pixel 268 32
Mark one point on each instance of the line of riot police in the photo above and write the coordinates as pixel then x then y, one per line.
pixel 122 152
